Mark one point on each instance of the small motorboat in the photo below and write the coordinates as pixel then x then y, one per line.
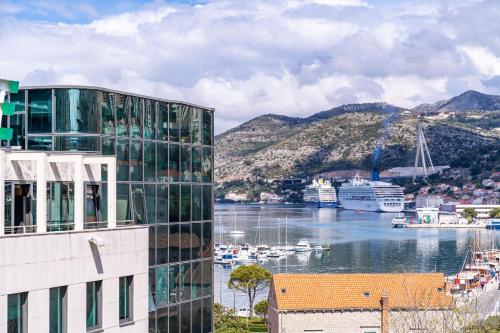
pixel 494 224
pixel 237 232
pixel 318 248
pixel 399 222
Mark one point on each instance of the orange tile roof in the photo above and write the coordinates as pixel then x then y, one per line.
pixel 359 291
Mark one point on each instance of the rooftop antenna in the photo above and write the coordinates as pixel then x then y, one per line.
pixel 422 154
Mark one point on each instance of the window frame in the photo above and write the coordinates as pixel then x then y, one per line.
pixel 129 282
pixel 98 314
pixel 23 300
pixel 63 307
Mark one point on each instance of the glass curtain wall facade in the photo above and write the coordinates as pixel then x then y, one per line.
pixel 164 153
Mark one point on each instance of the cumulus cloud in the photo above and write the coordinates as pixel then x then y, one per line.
pixel 252 57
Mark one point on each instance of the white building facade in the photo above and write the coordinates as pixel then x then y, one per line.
pixel 67 264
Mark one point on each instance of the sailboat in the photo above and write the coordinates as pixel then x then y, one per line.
pixel 289 249
pixel 236 232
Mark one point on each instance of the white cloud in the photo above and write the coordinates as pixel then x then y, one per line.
pixel 252 57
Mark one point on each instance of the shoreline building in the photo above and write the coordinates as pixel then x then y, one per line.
pixel 164 179
pixel 62 271
pixel 364 303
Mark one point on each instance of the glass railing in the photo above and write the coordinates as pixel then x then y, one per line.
pixel 64 226
pixel 95 225
pixel 125 223
pixel 60 226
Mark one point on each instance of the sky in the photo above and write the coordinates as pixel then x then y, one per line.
pixel 250 57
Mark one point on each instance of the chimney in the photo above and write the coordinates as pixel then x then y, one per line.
pixel 384 313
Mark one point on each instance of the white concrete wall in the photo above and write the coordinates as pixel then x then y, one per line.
pixel 357 321
pixel 34 263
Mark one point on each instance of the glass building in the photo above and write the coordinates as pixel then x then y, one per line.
pixel 164 152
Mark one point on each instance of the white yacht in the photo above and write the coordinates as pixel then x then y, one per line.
pixel 303 246
pixel 372 196
pixel 320 193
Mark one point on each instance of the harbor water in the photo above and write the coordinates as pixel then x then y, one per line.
pixel 360 242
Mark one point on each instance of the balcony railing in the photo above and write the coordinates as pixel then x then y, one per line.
pixel 60 226
pixel 20 229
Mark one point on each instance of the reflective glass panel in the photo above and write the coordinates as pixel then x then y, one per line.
pixel 40 111
pixel 19 101
pixel 150 203
pixel 108 107
pixel 207 165
pixel 185 163
pixel 207 128
pixel 40 142
pixel 149 161
pixel 207 315
pixel 152 245
pixel 139 204
pixel 174 203
pixel 136 163
pixel 162 162
pixel 77 110
pixel 122 159
pixel 196 125
pixel 93 304
pixel 196 203
pixel 206 246
pixel 185 203
pixel 162 243
pixel 185 274
pixel 161 286
pixel 196 279
pixel 136 111
pixel 185 124
pixel 162 115
pixel 122 112
pixel 16 313
pixel 173 122
pixel 196 240
pixel 197 315
pixel 162 319
pixel 173 163
pixel 18 130
pixel 150 108
pixel 186 317
pixel 173 326
pixel 162 198
pixel 77 143
pixel 60 205
pixel 57 315
pixel 152 289
pixel 174 243
pixel 185 243
pixel 122 202
pixel 207 202
pixel 196 164
pixel 125 298
pixel 207 277
pixel 107 149
pixel 174 286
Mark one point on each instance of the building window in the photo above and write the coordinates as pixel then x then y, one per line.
pixel 17 313
pixel 94 305
pixel 57 310
pixel 126 296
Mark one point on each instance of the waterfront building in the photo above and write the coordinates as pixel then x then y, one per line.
pixel 164 179
pixel 62 269
pixel 365 303
pixel 483 211
pixel 428 201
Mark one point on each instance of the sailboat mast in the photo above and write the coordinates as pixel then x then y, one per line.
pixel 258 226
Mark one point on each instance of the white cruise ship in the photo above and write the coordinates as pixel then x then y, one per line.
pixel 372 196
pixel 321 193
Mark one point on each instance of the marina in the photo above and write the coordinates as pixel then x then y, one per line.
pixel 357 242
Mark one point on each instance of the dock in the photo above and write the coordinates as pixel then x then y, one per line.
pixel 446 226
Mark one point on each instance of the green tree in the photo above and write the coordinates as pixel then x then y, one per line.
pixel 226 321
pixel 250 280
pixel 470 214
pixel 261 309
pixel 495 213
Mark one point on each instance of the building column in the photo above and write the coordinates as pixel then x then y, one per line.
pixel 79 193
pixel 111 162
pixel 2 192
pixel 41 193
